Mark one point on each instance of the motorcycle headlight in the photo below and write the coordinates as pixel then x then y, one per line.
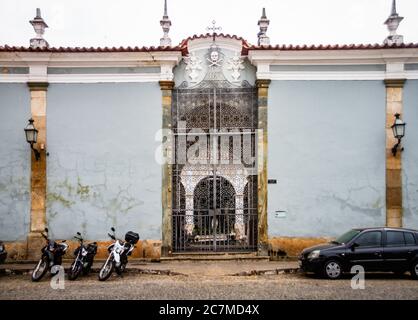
pixel 314 254
pixel 1 247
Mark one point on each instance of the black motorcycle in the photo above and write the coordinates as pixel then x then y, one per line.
pixel 3 253
pixel 51 256
pixel 84 257
pixel 119 251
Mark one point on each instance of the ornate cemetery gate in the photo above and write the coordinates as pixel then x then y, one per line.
pixel 215 170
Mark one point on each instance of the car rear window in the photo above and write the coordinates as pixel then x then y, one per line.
pixel 409 238
pixel 395 238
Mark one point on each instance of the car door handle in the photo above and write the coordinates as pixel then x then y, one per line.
pixel 377 253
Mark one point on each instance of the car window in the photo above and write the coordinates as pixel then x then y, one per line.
pixel 394 238
pixel 346 237
pixel 409 239
pixel 370 239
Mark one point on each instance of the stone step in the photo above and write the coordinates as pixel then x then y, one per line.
pixel 215 257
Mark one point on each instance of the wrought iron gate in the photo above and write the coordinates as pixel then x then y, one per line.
pixel 215 171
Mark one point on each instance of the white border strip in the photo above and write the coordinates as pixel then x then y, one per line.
pixel 412 74
pixel 14 78
pixel 85 78
pixel 98 78
pixel 330 75
pixel 155 77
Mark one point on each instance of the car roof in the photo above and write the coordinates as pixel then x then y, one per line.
pixel 386 228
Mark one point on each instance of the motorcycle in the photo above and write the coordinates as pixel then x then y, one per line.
pixel 3 253
pixel 84 257
pixel 119 251
pixel 51 256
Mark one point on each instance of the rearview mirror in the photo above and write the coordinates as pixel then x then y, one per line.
pixel 78 233
pixel 46 229
pixel 354 246
pixel 113 229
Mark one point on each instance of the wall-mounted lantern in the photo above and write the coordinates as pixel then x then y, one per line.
pixel 398 129
pixel 31 137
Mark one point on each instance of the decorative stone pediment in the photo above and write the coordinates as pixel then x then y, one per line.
pixel 219 60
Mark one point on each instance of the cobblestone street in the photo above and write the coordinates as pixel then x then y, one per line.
pixel 145 286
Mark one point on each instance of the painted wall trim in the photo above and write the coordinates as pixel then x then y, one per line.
pixel 99 78
pixel 147 77
pixel 102 59
pixel 85 78
pixel 332 75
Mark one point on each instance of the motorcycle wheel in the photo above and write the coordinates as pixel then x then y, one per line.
pixel 87 269
pixel 74 271
pixel 121 269
pixel 40 269
pixel 107 269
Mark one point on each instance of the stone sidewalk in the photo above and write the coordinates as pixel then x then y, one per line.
pixel 186 268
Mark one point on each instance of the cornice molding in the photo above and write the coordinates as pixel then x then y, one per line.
pixel 394 83
pixel 38 86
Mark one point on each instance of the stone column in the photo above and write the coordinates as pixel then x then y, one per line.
pixel 38 92
pixel 263 86
pixel 394 104
pixel 239 227
pixel 167 179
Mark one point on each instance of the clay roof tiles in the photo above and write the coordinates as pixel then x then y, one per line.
pixel 246 46
pixel 7 48
pixel 335 47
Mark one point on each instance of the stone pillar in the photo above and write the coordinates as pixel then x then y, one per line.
pixel 167 179
pixel 38 92
pixel 263 86
pixel 394 104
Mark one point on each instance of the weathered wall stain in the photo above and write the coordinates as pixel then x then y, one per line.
pixel 53 198
pixel 374 209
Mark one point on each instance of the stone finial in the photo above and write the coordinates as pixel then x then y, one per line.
pixel 165 23
pixel 393 23
pixel 263 39
pixel 39 26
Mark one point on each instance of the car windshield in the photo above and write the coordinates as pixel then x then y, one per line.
pixel 346 237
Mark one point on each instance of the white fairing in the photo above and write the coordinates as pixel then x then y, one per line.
pixel 117 251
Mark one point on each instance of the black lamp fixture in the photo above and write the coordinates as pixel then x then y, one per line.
pixel 31 137
pixel 398 129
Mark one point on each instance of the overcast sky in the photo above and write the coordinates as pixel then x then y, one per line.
pixel 136 22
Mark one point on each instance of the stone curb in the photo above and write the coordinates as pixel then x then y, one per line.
pixel 267 272
pixel 27 270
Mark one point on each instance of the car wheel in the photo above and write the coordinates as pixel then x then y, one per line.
pixel 414 269
pixel 333 270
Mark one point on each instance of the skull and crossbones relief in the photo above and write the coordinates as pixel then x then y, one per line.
pixel 215 59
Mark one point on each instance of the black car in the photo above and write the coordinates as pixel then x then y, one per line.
pixel 375 249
